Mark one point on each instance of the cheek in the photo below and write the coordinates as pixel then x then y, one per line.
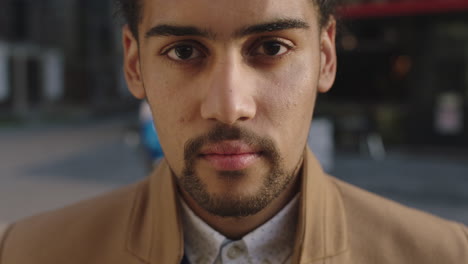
pixel 171 136
pixel 287 103
pixel 171 96
pixel 172 109
pixel 289 94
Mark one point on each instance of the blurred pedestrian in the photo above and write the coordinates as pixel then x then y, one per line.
pixel 148 135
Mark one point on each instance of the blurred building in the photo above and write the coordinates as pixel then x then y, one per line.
pixel 402 73
pixel 59 54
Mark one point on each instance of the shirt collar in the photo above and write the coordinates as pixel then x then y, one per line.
pixel 200 240
pixel 273 240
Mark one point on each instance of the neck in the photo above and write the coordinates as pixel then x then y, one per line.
pixel 235 228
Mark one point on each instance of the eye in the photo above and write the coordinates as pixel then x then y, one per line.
pixel 183 52
pixel 272 48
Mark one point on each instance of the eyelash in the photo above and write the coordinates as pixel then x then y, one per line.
pixel 256 45
pixel 264 40
pixel 195 44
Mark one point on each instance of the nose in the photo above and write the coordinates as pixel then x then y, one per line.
pixel 229 97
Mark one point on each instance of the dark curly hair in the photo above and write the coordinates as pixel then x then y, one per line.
pixel 130 10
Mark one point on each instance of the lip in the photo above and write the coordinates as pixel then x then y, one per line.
pixel 230 155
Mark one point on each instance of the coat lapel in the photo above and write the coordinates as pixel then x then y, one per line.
pixel 155 233
pixel 321 231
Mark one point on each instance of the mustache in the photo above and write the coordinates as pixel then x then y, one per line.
pixel 221 133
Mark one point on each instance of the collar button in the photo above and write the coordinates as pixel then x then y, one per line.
pixel 235 251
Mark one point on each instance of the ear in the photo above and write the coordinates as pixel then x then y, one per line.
pixel 328 56
pixel 132 64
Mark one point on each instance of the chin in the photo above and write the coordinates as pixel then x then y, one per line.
pixel 235 204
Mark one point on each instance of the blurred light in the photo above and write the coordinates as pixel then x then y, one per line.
pixel 349 42
pixel 402 66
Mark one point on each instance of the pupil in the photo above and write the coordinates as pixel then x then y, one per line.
pixel 184 52
pixel 272 48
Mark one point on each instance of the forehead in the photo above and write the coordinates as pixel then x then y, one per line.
pixel 225 15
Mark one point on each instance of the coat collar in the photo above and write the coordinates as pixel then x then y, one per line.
pixel 321 231
pixel 155 229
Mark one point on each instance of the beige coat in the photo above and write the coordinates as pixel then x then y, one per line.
pixel 338 223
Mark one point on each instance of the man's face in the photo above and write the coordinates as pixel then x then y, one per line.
pixel 232 86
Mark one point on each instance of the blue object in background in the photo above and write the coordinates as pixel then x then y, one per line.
pixel 148 134
pixel 150 140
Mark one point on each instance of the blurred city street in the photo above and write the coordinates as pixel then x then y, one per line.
pixel 44 167
pixel 48 166
pixel 434 182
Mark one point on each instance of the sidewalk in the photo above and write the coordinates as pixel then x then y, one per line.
pixel 43 168
pixel 434 182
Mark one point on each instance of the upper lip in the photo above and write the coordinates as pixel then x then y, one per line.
pixel 230 147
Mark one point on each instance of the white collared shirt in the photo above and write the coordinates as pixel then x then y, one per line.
pixel 271 243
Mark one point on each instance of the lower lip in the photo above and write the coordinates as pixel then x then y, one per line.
pixel 231 162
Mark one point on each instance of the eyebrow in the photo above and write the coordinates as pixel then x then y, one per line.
pixel 278 25
pixel 178 31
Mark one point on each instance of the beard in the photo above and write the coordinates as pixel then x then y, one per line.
pixel 274 182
